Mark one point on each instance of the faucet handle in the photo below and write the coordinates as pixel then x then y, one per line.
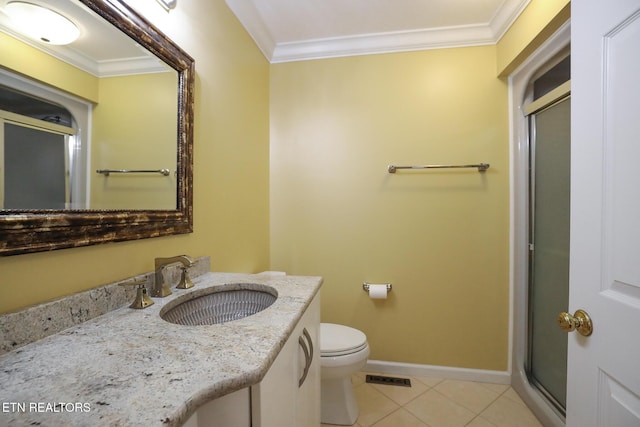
pixel 185 280
pixel 142 298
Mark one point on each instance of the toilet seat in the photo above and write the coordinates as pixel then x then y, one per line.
pixel 340 340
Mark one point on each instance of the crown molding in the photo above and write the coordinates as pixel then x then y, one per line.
pixel 131 66
pixel 505 16
pixel 121 67
pixel 251 20
pixel 367 44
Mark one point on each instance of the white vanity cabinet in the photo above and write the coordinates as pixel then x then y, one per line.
pixel 289 395
pixel 231 410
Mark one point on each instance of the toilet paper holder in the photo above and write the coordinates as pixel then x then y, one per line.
pixel 365 286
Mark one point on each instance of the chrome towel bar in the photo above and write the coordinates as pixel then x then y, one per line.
pixel 107 172
pixel 482 167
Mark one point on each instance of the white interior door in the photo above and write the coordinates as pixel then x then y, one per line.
pixel 604 368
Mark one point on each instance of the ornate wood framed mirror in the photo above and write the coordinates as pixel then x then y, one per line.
pixel 25 230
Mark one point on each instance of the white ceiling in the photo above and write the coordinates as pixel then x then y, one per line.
pixel 292 30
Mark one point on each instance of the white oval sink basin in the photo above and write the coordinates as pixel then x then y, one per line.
pixel 219 304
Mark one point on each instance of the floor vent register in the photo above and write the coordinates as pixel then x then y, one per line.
pixel 380 379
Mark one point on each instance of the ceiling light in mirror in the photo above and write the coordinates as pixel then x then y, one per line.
pixel 41 23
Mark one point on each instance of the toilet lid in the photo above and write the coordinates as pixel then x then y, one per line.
pixel 337 340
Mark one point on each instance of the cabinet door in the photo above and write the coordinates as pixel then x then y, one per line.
pixel 280 400
pixel 308 399
pixel 272 401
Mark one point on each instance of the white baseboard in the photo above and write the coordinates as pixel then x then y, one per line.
pixel 411 369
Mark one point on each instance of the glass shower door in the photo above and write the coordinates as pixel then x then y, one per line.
pixel 35 168
pixel 549 248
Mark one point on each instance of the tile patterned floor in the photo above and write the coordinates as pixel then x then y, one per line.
pixel 434 402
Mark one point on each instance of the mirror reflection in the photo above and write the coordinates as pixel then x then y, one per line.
pixel 98 103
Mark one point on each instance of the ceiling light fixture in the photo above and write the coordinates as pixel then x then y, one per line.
pixel 40 23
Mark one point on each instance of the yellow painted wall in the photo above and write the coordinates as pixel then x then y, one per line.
pixel 538 21
pixel 441 237
pixel 231 209
pixel 134 127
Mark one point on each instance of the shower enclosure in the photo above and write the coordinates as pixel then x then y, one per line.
pixel 540 112
pixel 548 285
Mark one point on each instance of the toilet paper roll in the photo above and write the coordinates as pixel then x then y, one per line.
pixel 378 291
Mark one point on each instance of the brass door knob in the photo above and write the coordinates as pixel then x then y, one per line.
pixel 580 321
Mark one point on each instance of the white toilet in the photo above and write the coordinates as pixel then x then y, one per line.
pixel 343 352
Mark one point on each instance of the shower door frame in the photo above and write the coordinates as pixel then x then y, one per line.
pixel 519 225
pixel 560 95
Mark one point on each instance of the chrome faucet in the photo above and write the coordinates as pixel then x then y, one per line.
pixel 162 289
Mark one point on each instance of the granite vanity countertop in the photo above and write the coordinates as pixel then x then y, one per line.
pixel 131 368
